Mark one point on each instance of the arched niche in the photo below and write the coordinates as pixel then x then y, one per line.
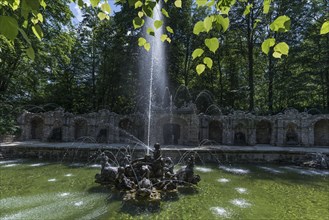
pixel 171 133
pixel 56 132
pixel 130 129
pixel 80 129
pixel 240 135
pixel 291 134
pixel 263 132
pixel 321 132
pixel 103 135
pixel 37 128
pixel 216 131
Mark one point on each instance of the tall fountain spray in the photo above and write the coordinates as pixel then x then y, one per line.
pixel 152 69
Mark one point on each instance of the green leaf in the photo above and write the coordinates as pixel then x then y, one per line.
pixel 150 31
pixel 277 54
pixel 158 24
pixel 208 61
pixel 147 46
pixel 140 14
pixel 169 29
pixel 27 39
pixel 207 22
pixel 43 4
pixel 197 53
pixel 30 53
pixel 101 16
pixel 267 44
pixel 281 48
pixel 8 27
pixel 325 28
pixel 164 12
pixel 178 3
pixel 138 4
pixel 198 28
pixel 224 10
pixel 247 9
pixel 256 23
pixel 40 17
pixel 200 68
pixel 281 24
pixel 223 22
pixel 138 22
pixel 141 41
pixel 212 44
pixel 106 7
pixel 80 3
pixel 37 31
pixel 201 2
pixel 164 38
pixel 266 6
pixel 148 10
pixel 94 3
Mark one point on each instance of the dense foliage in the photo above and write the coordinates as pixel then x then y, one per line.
pixel 94 64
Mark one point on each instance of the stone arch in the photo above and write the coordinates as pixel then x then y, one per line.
pixel 216 131
pixel 291 134
pixel 80 128
pixel 263 132
pixel 321 132
pixel 103 135
pixel 240 132
pixel 171 133
pixel 131 127
pixel 56 132
pixel 173 130
pixel 126 127
pixel 37 128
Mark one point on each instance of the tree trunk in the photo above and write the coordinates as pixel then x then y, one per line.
pixel 186 62
pixel 270 83
pixel 220 81
pixel 250 60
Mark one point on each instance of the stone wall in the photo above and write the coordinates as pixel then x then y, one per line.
pixel 178 126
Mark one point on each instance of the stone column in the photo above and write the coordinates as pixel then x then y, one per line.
pixel 193 130
pixel 280 132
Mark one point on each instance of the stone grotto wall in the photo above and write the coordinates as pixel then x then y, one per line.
pixel 178 126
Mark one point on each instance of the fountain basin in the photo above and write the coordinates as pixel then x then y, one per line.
pixel 263 191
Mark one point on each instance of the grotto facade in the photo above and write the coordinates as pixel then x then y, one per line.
pixel 179 126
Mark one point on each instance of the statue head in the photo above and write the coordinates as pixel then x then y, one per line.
pixel 157 146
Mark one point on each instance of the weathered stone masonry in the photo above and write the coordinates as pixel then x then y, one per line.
pixel 179 127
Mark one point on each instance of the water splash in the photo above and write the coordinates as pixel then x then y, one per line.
pixel 38 164
pixel 219 211
pixel 234 170
pixel 241 190
pixel 271 170
pixel 152 66
pixel 309 172
pixel 242 203
pixel 223 180
pixel 203 169
pixel 10 161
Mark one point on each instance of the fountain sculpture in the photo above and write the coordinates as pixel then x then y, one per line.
pixel 144 180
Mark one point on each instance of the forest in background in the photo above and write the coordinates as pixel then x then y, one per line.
pixel 94 65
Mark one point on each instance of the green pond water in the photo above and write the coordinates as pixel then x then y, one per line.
pixel 34 190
